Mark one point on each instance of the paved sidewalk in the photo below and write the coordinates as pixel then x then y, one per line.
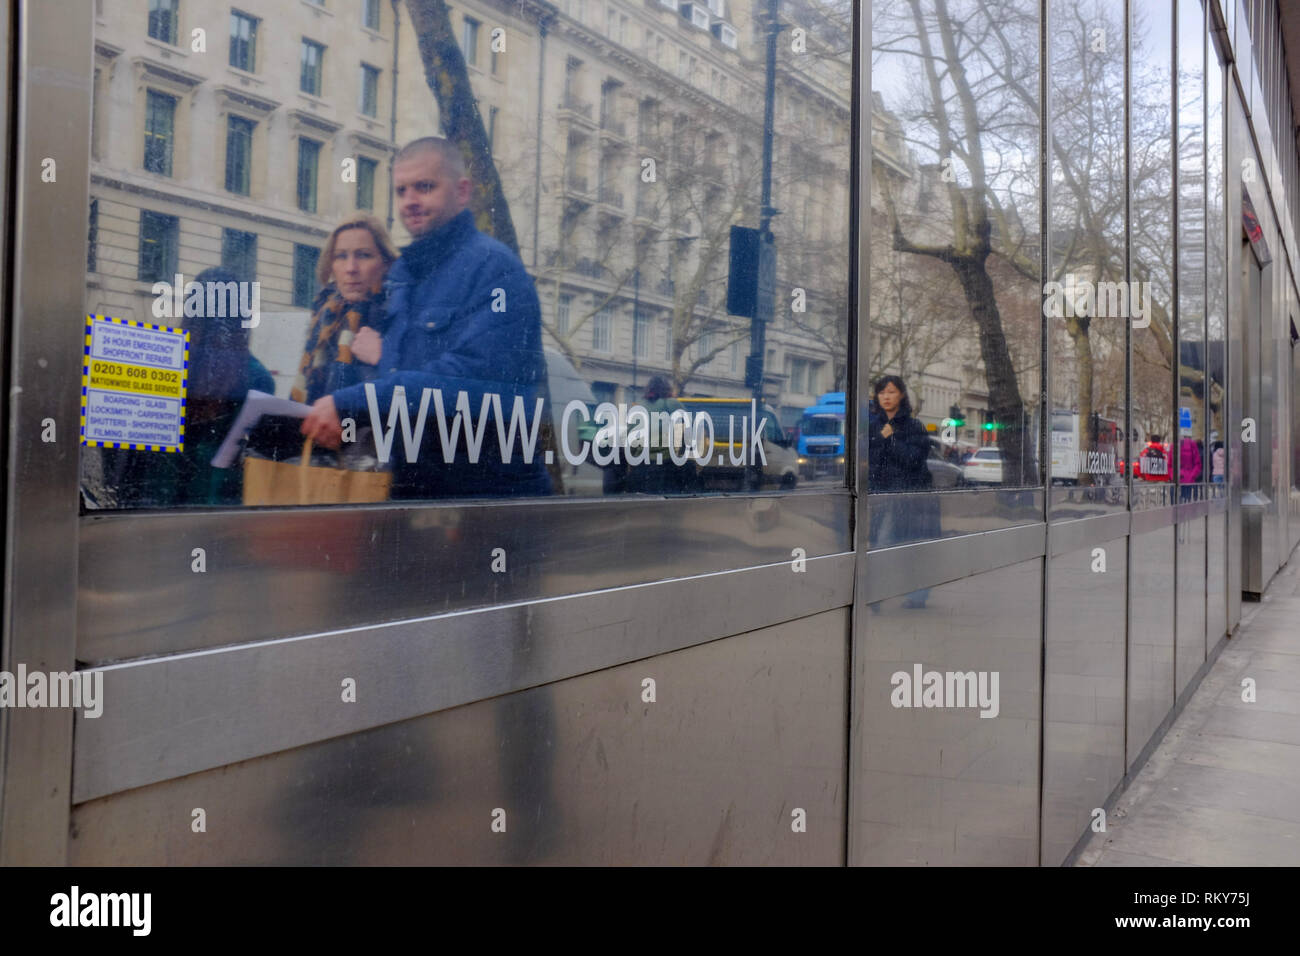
pixel 1223 787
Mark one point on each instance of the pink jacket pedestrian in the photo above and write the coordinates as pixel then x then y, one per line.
pixel 1189 461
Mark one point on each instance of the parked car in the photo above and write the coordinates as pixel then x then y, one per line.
pixel 943 473
pixel 984 467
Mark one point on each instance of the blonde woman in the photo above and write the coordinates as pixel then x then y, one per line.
pixel 350 313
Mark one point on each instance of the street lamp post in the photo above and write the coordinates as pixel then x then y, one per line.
pixel 765 303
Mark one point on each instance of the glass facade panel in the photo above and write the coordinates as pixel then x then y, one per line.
pixel 608 259
pixel 1086 297
pixel 1151 175
pixel 956 316
pixel 1216 395
pixel 1189 452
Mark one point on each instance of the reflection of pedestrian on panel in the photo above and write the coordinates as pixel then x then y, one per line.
pixel 898 448
pixel 463 318
pixel 899 444
pixel 350 314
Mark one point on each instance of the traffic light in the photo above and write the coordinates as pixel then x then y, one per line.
pixel 954 417
pixel 992 426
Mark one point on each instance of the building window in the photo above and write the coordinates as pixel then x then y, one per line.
pixel 92 237
pixel 563 312
pixel 305 259
pixel 366 182
pixel 705 344
pixel 641 336
pixel 239 154
pixel 370 15
pixel 492 128
pixel 159 239
pixel 803 375
pixel 239 253
pixel 163 20
pixel 668 342
pixel 308 170
pixel 469 41
pixel 313 54
pixel 601 331
pixel 369 90
pixel 243 41
pixel 735 356
pixel 159 128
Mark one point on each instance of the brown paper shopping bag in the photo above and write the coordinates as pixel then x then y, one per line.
pixel 269 482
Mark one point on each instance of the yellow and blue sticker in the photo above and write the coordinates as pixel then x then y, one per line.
pixel 133 380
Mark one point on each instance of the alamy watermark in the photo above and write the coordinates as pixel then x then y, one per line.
pixel 83 689
pixel 1083 298
pixel 211 300
pixel 76 908
pixel 946 689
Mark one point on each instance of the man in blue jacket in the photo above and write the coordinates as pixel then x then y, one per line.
pixel 463 318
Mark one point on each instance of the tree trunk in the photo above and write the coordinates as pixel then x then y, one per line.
pixel 448 78
pixel 1004 390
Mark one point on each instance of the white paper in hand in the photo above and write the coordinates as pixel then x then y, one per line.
pixel 256 404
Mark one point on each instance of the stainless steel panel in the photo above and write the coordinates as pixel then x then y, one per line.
pixel 1083 704
pixel 1266 412
pixel 743 733
pixel 1216 580
pixel 166 717
pixel 1190 598
pixel 48 218
pixel 901 570
pixel 936 786
pixel 277 573
pixel 972 511
pixel 1153 519
pixel 1070 536
pixel 1151 636
pixel 1238 145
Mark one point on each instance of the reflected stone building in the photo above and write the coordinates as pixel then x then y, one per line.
pixel 627 136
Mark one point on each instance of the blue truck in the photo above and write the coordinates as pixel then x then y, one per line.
pixel 821 437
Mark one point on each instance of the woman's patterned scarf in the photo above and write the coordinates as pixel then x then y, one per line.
pixel 330 339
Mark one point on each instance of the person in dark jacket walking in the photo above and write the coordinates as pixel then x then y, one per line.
pixel 898 447
pixel 463 317
pixel 222 370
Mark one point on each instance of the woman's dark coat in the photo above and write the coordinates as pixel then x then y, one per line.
pixel 898 464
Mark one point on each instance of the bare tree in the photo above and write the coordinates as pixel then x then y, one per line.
pixel 970 67
pixel 448 78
